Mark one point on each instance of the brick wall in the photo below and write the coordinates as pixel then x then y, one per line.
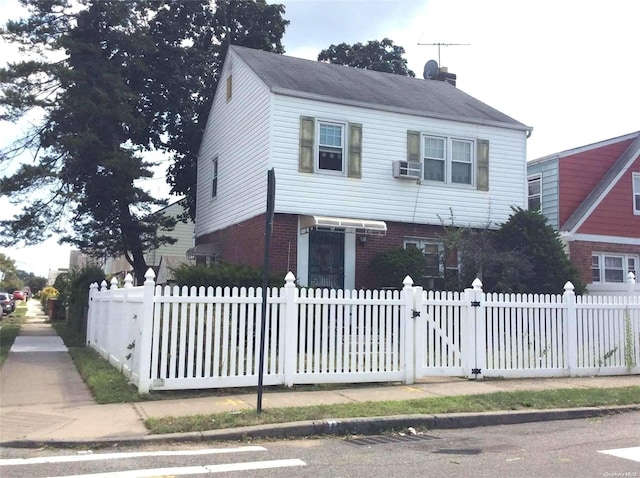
pixel 396 233
pixel 243 243
pixel 580 254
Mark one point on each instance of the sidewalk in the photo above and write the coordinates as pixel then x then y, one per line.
pixel 43 400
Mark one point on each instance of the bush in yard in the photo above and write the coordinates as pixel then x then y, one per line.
pixel 389 268
pixel 45 294
pixel 222 275
pixel 528 235
pixel 77 300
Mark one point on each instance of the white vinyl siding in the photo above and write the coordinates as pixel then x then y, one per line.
pixel 377 195
pixel 272 121
pixel 182 232
pixel 242 165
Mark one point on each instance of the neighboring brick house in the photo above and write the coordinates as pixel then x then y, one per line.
pixel 364 161
pixel 591 196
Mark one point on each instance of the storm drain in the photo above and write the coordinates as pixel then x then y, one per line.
pixel 385 439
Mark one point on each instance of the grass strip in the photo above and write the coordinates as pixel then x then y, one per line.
pixel 498 401
pixel 9 330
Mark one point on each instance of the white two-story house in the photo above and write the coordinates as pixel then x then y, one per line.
pixel 364 161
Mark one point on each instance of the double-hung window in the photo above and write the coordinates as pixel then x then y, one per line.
pixel 214 177
pixel 535 193
pixel 448 160
pixel 612 268
pixel 330 146
pixel 636 193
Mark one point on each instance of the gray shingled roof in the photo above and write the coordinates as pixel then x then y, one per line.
pixel 352 86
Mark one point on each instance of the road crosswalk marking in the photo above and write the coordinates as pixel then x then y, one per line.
pixel 194 470
pixel 632 453
pixel 114 456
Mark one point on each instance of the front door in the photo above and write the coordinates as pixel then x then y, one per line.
pixel 326 259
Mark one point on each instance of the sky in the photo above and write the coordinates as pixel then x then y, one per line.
pixel 567 68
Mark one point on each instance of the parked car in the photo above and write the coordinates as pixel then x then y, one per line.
pixel 7 303
pixel 19 295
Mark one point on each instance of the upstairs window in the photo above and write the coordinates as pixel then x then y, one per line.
pixel 214 178
pixel 534 195
pixel 448 160
pixel 636 193
pixel 330 146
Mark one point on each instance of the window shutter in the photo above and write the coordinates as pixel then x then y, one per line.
pixel 307 136
pixel 355 151
pixel 413 146
pixel 482 165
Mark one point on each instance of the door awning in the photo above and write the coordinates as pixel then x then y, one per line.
pixel 342 224
pixel 204 250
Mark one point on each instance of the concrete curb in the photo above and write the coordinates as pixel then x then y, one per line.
pixel 341 427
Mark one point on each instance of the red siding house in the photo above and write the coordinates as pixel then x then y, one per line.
pixel 591 195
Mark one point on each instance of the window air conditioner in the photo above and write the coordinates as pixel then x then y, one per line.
pixel 407 169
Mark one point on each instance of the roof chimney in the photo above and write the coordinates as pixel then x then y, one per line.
pixel 444 75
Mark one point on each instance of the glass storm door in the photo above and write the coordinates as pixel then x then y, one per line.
pixel 326 259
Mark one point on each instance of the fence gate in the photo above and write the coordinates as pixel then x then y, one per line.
pixel 438 334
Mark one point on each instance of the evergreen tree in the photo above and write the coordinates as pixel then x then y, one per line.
pixel 528 235
pixel 111 80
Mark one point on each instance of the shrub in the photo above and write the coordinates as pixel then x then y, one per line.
pixel 223 275
pixel 389 268
pixel 77 299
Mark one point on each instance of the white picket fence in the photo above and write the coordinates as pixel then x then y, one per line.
pixel 166 338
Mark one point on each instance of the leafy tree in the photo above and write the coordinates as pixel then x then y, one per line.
pixel 192 41
pixel 36 284
pixel 374 55
pixel 9 275
pixel 111 80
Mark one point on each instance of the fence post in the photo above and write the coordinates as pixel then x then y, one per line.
pixel 290 339
pixel 472 328
pixel 112 323
pixel 418 344
pixel 145 331
pixel 570 328
pixel 631 281
pixel 93 288
pixel 408 329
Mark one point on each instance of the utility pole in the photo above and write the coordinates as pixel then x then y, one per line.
pixel 443 44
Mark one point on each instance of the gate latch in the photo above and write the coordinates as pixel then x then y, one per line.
pixel 475 303
pixel 415 313
pixel 476 371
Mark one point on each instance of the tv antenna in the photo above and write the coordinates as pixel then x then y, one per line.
pixel 443 44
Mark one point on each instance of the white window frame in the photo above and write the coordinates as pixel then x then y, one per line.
pixel 214 178
pixel 448 159
pixel 629 263
pixel 531 179
pixel 635 184
pixel 343 147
